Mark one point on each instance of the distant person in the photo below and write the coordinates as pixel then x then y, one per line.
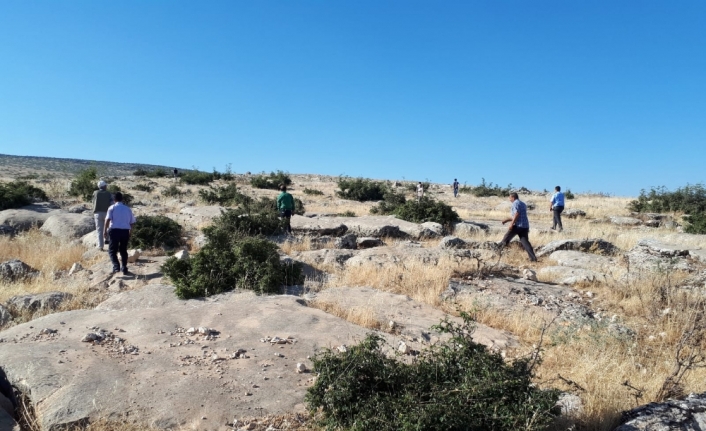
pixel 118 224
pixel 176 173
pixel 420 191
pixel 519 225
pixel 102 199
pixel 285 206
pixel 556 205
pixel 455 184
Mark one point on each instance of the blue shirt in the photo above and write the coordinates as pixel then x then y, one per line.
pixel 120 216
pixel 558 199
pixel 519 207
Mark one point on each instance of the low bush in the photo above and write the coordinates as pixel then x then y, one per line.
pixel 456 384
pixel 231 259
pixel 465 189
pixel 172 191
pixel 690 200
pixel 143 187
pixel 85 184
pixel 313 192
pixel 225 195
pixel 695 223
pixel 490 189
pixel 427 209
pixel 17 194
pixel 155 231
pixel 569 195
pixel 347 213
pixel 391 201
pixel 360 189
pixel 271 181
pixel 127 197
pixel 157 173
pixel 197 177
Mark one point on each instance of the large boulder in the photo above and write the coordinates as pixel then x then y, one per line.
pixel 579 259
pixel 38 301
pixel 468 228
pixel 318 226
pixel 573 213
pixel 594 245
pixel 452 242
pixel 688 414
pixel 325 257
pixel 431 229
pixel 144 349
pixel 625 221
pixel 27 217
pixel 15 269
pixel 7 230
pixel 69 225
pixel 650 253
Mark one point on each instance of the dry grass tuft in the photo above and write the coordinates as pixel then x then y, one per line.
pixel 41 251
pixel 361 316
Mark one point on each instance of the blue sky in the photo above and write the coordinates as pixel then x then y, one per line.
pixel 603 96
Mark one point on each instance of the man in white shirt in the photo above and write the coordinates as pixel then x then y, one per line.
pixel 118 223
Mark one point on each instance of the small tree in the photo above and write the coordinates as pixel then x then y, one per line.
pixel 360 189
pixel 155 231
pixel 85 184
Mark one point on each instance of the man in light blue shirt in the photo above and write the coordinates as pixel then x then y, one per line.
pixel 118 223
pixel 557 206
pixel 519 226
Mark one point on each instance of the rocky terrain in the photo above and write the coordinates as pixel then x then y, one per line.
pixel 615 304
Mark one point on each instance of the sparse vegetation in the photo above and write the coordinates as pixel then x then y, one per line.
pixel 143 187
pixel 156 173
pixel 17 194
pixel 412 187
pixel 114 188
pixel 569 195
pixel 453 385
pixel 225 195
pixel 690 200
pixel 347 213
pixel 271 181
pixel 313 192
pixel 489 189
pixel 360 189
pixel 155 231
pixel 172 191
pixel 427 209
pixel 198 177
pixel 85 184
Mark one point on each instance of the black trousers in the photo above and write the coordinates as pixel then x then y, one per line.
pixel 557 217
pixel 287 215
pixel 118 244
pixel 523 233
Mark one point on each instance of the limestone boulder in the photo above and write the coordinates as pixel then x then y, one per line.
pixel 395 255
pixel 325 257
pixel 569 276
pixel 90 239
pixel 625 221
pixel 318 226
pixel 68 225
pixel 651 254
pixel 7 230
pixel 27 217
pixel 688 414
pixel 382 226
pixel 452 242
pixel 39 301
pixel 142 349
pixel 579 259
pixel 573 213
pixel 5 316
pixel 468 228
pixel 15 269
pixel 368 242
pixel 594 245
pixel 348 241
pixel 196 217
pixel 431 229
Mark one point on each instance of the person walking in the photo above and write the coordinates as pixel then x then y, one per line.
pixel 118 224
pixel 420 191
pixel 455 185
pixel 285 206
pixel 102 199
pixel 519 225
pixel 176 173
pixel 556 205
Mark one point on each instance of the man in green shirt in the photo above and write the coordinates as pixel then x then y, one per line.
pixel 285 206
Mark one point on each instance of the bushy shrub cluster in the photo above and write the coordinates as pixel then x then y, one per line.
pixel 391 201
pixel 427 209
pixel 225 195
pixel 453 385
pixel 232 259
pixel 271 181
pixel 690 199
pixel 569 195
pixel 114 188
pixel 155 231
pixel 313 192
pixel 143 187
pixel 360 189
pixel 84 184
pixel 17 194
pixel 198 177
pixel 157 173
pixel 489 189
pixel 172 191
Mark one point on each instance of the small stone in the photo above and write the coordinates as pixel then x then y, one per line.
pixel 342 348
pixel 301 368
pixel 403 348
pixel 76 267
pixel 391 324
pixel 47 331
pixel 182 255
pixel 191 331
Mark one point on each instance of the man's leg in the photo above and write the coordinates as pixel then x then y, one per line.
pixel 509 235
pixel 113 249
pixel 288 220
pixel 557 217
pixel 124 236
pixel 523 233
pixel 99 218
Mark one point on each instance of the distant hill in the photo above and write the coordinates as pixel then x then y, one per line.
pixel 27 165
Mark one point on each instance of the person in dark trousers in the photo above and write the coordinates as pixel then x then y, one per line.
pixel 519 225
pixel 176 174
pixel 455 184
pixel 102 199
pixel 557 206
pixel 118 224
pixel 285 206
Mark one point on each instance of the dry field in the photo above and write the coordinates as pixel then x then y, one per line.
pixel 610 372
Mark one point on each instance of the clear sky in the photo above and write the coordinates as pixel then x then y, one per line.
pixel 605 96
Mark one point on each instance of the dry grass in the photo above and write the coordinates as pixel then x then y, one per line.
pixel 362 316
pixel 41 251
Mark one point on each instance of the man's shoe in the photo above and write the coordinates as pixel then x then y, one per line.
pixel 126 272
pixel 115 271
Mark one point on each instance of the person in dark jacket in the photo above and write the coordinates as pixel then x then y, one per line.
pixel 102 199
pixel 285 206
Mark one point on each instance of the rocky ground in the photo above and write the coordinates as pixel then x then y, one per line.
pixel 84 345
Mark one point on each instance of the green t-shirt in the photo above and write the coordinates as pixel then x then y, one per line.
pixel 285 201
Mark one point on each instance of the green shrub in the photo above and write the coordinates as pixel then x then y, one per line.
pixel 427 210
pixel 85 184
pixel 691 200
pixel 17 194
pixel 114 188
pixel 155 231
pixel 198 177
pixel 313 192
pixel 347 213
pixel 457 384
pixel 360 189
pixel 225 195
pixel 271 181
pixel 695 223
pixel 391 201
pixel 569 195
pixel 157 173
pixel 490 189
pixel 143 187
pixel 231 259
pixel 172 191
pixel 465 189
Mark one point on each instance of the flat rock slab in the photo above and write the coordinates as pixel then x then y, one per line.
pixel 593 245
pixel 569 275
pixel 688 414
pixel 174 379
pixel 318 226
pixel 651 253
pixel 383 256
pixel 68 225
pixel 196 216
pixel 625 221
pixel 383 226
pixel 412 319
pixel 324 257
pixel 25 219
pixel 578 259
